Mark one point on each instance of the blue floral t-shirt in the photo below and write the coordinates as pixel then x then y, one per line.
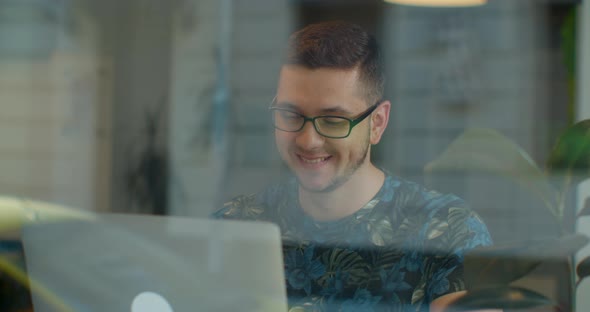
pixel 399 252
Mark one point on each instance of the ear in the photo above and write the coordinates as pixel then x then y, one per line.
pixel 379 120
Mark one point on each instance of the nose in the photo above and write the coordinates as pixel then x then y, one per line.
pixel 308 138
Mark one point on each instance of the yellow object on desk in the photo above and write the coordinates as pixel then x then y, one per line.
pixel 16 212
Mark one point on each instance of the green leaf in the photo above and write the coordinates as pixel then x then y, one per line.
pixel 569 46
pixel 436 228
pixel 503 264
pixel 346 261
pixel 418 294
pixel 488 151
pixel 583 268
pixel 570 156
pixel 381 231
pixel 501 298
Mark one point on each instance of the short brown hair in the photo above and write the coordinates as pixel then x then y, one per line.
pixel 340 45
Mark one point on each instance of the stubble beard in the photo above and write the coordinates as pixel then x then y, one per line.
pixel 339 180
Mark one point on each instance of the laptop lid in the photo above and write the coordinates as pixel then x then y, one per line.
pixel 134 262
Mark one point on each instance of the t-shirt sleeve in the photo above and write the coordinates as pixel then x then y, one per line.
pixel 465 231
pixel 240 208
pixel 228 211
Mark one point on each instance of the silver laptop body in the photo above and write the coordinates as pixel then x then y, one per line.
pixel 115 261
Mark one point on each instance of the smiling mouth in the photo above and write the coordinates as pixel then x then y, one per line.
pixel 315 160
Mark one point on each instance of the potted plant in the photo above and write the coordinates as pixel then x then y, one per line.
pixel 491 271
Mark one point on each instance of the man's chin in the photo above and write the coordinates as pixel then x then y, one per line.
pixel 319 187
pixel 314 188
pixel 312 184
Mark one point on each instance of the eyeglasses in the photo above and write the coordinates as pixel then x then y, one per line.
pixel 334 127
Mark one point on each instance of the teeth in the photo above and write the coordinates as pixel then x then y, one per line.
pixel 313 161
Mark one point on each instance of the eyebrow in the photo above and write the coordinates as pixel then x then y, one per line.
pixel 324 111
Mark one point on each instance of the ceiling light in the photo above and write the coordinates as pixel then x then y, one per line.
pixel 439 3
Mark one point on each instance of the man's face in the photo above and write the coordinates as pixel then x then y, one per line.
pixel 322 164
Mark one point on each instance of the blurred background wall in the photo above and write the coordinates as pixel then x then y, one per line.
pixel 54 103
pixel 161 106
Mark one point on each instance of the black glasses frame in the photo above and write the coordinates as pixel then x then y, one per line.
pixel 351 122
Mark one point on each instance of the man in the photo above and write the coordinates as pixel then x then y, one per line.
pixel 355 237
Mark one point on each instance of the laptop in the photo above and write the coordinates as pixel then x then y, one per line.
pixel 143 263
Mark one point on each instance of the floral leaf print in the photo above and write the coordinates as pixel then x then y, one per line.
pixel 439 284
pixel 389 188
pixel 394 280
pixel 459 284
pixel 241 207
pixel 370 205
pixel 388 193
pixel 469 230
pixel 460 235
pixel 410 227
pixel 439 201
pixel 385 258
pixel 436 228
pixel 418 294
pixel 381 259
pixel 333 291
pixel 380 231
pixel 301 269
pixel 397 253
pixel 362 301
pixel 479 233
pixel 457 216
pixel 411 261
pixel 404 196
pixel 335 284
pixel 348 262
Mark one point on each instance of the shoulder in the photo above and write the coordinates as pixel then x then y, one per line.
pixel 253 206
pixel 412 198
pixel 438 220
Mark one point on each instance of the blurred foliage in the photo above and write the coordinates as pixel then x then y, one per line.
pixel 568 45
pixel 570 156
pixel 490 270
pixel 488 151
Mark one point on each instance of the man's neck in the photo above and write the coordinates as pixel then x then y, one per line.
pixel 345 200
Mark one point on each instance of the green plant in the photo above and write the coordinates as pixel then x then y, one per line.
pixel 489 271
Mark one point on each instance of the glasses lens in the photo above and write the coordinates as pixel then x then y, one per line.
pixel 287 120
pixel 336 127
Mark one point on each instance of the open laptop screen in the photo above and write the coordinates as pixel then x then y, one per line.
pixel 190 264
